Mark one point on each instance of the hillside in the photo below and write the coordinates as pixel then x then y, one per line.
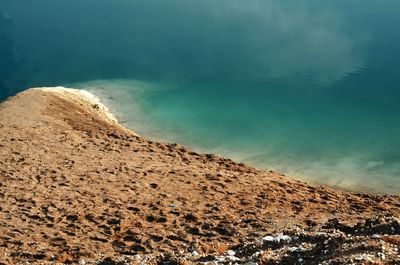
pixel 75 186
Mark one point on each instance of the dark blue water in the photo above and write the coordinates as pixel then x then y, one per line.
pixel 309 88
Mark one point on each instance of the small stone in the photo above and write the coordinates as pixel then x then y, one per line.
pixel 231 253
pixel 293 249
pixel 268 238
pixel 282 237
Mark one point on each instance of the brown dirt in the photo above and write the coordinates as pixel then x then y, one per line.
pixel 74 187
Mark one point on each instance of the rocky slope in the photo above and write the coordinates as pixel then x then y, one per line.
pixel 76 187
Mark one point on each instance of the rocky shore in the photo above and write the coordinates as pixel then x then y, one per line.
pixel 76 187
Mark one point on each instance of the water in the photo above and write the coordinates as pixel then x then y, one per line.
pixel 309 88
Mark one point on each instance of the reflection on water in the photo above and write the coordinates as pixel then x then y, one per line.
pixel 309 88
pixel 176 41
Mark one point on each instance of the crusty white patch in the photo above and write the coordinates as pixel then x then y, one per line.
pixel 84 97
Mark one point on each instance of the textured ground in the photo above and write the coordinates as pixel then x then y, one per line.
pixel 77 187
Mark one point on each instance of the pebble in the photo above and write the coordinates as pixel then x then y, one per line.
pixel 278 238
pixel 268 238
pixel 231 253
pixel 293 249
pixel 282 237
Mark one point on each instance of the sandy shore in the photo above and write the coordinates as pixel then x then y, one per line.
pixel 77 187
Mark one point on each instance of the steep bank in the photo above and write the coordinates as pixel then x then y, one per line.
pixel 77 186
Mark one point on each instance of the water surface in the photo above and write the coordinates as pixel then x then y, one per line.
pixel 309 88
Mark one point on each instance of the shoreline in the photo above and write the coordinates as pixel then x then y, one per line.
pixel 75 185
pixel 88 100
pixel 371 188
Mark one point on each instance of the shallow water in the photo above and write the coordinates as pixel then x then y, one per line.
pixel 309 88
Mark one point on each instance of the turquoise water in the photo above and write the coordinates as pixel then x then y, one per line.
pixel 309 88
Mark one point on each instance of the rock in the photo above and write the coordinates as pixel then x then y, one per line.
pixel 231 253
pixel 268 238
